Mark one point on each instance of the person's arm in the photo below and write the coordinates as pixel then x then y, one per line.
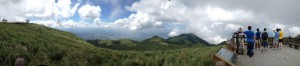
pixel 266 34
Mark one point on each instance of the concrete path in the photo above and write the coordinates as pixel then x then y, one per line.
pixel 284 57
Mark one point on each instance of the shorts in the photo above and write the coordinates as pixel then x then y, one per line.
pixel 258 40
pixel 275 41
pixel 280 40
pixel 265 44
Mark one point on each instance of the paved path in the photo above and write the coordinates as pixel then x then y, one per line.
pixel 284 57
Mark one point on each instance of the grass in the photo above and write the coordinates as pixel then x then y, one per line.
pixel 40 45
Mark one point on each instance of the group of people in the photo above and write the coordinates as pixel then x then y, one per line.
pixel 259 40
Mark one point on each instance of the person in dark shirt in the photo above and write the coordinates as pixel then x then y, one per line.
pixel 250 41
pixel 264 43
pixel 257 43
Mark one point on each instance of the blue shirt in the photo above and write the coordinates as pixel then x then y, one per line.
pixel 276 35
pixel 258 35
pixel 250 36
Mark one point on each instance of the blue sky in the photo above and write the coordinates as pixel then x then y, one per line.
pixel 107 8
pixel 212 20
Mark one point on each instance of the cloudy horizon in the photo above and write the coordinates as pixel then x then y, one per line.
pixel 212 20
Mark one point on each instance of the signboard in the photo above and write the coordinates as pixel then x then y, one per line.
pixel 227 55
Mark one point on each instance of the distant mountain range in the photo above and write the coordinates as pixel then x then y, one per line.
pixel 153 43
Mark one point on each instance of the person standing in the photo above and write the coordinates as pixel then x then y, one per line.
pixel 280 38
pixel 275 40
pixel 250 41
pixel 257 42
pixel 264 41
pixel 241 37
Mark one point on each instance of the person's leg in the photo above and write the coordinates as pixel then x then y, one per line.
pixel 279 45
pixel 256 44
pixel 243 44
pixel 251 49
pixel 281 40
pixel 259 44
pixel 248 48
pixel 266 46
pixel 263 46
pixel 274 44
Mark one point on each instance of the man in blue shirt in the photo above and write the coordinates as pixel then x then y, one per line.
pixel 275 40
pixel 257 42
pixel 250 41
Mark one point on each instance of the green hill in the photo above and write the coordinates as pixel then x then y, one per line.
pixel 127 44
pixel 40 45
pixel 154 43
pixel 187 39
pixel 155 39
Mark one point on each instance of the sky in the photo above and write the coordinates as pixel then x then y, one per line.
pixel 212 20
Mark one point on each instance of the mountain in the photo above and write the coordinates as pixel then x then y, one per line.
pixel 188 39
pixel 153 43
pixel 35 45
pixel 155 39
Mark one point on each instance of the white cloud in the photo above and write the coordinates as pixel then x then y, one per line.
pixel 138 21
pixel 206 22
pixel 20 19
pixel 89 12
pixel 207 19
pixel 50 23
pixel 97 21
pixel 219 14
pixel 175 32
pixel 63 23
pixel 294 31
pixel 48 9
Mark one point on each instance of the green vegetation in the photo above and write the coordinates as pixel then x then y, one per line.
pixel 155 43
pixel 188 39
pixel 40 45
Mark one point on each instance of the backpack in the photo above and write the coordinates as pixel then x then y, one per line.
pixel 264 35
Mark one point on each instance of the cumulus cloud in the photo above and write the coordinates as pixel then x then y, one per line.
pixel 294 31
pixel 216 20
pixel 175 32
pixel 138 21
pixel 89 12
pixel 48 9
pixel 62 24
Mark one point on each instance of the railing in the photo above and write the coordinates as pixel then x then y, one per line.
pixel 270 40
pixel 286 40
